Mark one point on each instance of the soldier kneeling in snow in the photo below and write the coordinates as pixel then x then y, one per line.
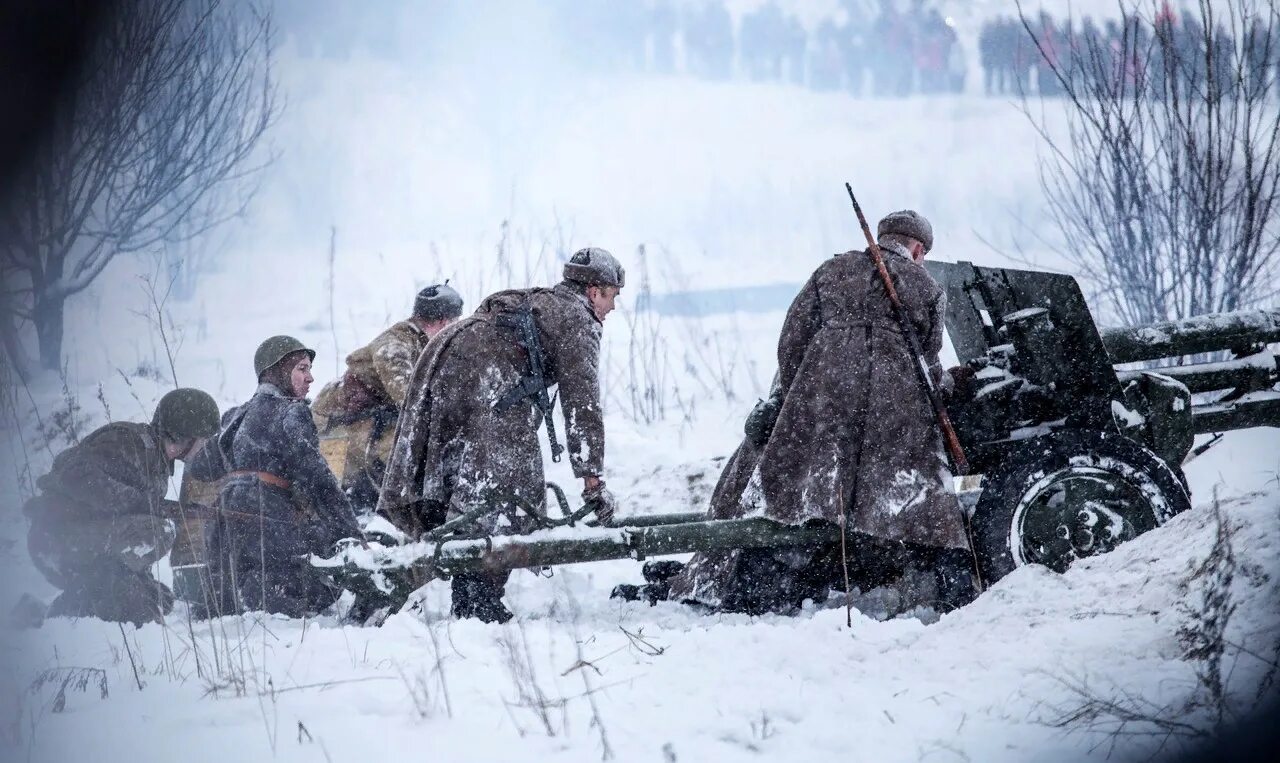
pixel 278 502
pixel 360 409
pixel 847 430
pixel 467 437
pixel 98 524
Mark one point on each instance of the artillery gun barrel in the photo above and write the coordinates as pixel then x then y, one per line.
pixel 1260 409
pixel 1203 333
pixel 651 520
pixel 585 544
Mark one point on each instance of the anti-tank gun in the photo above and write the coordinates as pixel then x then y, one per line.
pixel 1075 454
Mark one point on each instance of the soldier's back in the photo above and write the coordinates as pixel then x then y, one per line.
pixel 851 289
pixel 118 468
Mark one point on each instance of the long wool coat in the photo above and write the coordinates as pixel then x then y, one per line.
pixel 452 446
pixel 856 431
pixel 261 540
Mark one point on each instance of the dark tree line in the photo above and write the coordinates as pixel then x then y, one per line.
pixel 157 141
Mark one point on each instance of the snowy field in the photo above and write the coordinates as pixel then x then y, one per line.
pixel 490 179
pixel 576 674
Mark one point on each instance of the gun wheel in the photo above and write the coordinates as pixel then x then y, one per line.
pixel 1069 495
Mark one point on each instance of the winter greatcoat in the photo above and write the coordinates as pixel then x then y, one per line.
pixel 453 447
pixel 96 527
pixel 266 530
pixel 853 422
pixel 856 431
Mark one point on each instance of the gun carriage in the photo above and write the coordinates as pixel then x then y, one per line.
pixel 1078 435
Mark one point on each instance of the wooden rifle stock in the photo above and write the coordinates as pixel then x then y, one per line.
pixel 959 463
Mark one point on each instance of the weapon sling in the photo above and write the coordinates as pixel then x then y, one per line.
pixel 949 438
pixel 958 461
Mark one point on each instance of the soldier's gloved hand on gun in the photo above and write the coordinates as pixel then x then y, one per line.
pixel 595 494
pixel 759 423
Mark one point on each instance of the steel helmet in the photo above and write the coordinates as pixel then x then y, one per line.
pixel 186 414
pixel 275 349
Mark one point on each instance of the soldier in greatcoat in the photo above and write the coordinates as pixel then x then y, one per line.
pixel 467 436
pixel 854 435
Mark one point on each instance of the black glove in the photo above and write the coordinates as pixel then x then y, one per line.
pixel 661 570
pixel 602 502
pixel 759 423
pixel 431 513
pixel 963 383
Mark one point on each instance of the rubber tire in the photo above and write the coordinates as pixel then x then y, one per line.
pixel 1004 488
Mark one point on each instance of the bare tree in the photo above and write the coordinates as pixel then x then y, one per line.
pixel 1164 180
pixel 157 143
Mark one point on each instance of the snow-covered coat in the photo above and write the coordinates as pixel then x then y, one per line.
pixel 855 430
pixel 274 434
pixel 381 370
pixel 118 469
pixel 265 531
pixel 852 418
pixel 453 447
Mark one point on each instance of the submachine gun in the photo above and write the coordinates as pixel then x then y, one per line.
pixel 1078 450
pixel 532 387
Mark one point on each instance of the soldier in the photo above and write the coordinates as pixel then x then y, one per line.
pixel 97 525
pixel 853 435
pixel 278 501
pixel 366 402
pixel 467 436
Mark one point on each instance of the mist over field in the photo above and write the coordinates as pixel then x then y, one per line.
pixel 483 143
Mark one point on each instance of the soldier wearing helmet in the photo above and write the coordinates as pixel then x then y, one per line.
pixel 98 525
pixel 278 500
pixel 467 435
pixel 359 411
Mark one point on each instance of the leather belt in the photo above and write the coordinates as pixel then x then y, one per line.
pixel 267 477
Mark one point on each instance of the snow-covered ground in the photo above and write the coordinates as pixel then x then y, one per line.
pixel 490 178
pixel 576 671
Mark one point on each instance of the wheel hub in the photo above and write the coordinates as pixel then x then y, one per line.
pixel 1078 512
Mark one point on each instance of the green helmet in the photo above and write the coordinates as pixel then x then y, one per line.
pixel 185 414
pixel 274 350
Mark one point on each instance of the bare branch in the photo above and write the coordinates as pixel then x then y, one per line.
pixel 158 144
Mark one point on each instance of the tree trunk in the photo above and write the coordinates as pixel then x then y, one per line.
pixel 11 340
pixel 48 319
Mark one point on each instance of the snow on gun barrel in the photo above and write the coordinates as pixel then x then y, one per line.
pixel 648 536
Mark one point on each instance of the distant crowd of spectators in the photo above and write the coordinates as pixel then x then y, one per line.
pixel 869 47
pixel 866 47
pixel 1020 57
